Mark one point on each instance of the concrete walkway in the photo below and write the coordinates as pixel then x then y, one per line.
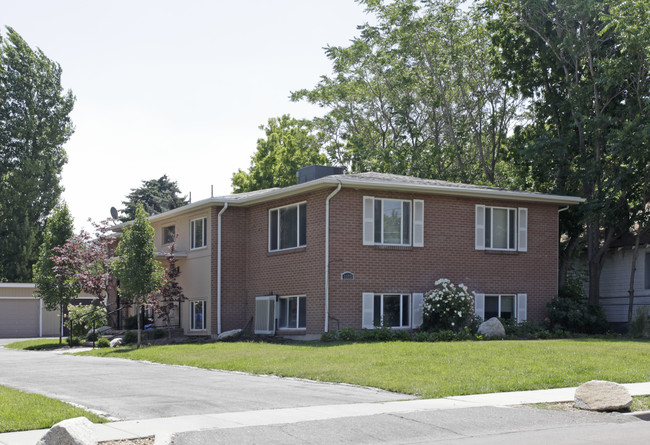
pixel 202 428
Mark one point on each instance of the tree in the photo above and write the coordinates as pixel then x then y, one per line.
pixel 34 126
pixel 413 95
pixel 290 144
pixel 56 290
pixel 155 195
pixel 139 273
pixel 171 295
pixel 583 67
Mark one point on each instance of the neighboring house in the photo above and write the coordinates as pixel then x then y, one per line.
pixel 615 278
pixel 357 250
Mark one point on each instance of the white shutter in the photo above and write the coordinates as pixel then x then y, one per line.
pixel 522 245
pixel 479 305
pixel 368 221
pixel 480 227
pixel 522 307
pixel 368 310
pixel 418 299
pixel 418 223
pixel 265 315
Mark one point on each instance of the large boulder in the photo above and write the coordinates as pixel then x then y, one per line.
pixel 117 341
pixel 492 328
pixel 77 431
pixel 599 395
pixel 229 335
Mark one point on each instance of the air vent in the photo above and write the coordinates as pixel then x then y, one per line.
pixel 347 276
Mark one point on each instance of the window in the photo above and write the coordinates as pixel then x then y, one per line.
pixel 647 270
pixel 501 228
pixel 197 315
pixel 288 227
pixel 169 234
pixel 293 313
pixel 395 222
pixel 508 306
pixel 391 310
pixel 198 233
pixel 502 306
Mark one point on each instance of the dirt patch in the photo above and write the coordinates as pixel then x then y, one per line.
pixel 138 441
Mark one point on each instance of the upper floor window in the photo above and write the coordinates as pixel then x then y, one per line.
pixel 288 227
pixel 501 228
pixel 396 222
pixel 198 233
pixel 169 234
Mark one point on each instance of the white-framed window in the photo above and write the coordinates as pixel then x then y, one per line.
pixel 169 234
pixel 292 312
pixel 391 310
pixel 197 315
pixel 288 227
pixel 393 222
pixel 198 233
pixel 507 306
pixel 501 228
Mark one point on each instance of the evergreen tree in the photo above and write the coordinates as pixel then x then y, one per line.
pixel 34 126
pixel 155 195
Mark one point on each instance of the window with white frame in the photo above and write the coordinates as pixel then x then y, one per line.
pixel 198 233
pixel 292 312
pixel 391 310
pixel 288 227
pixel 393 222
pixel 501 228
pixel 197 315
pixel 169 234
pixel 507 306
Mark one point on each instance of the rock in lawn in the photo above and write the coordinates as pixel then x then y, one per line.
pixel 77 431
pixel 116 342
pixel 230 335
pixel 492 328
pixel 599 395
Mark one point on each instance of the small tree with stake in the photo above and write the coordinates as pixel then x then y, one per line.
pixel 171 294
pixel 135 265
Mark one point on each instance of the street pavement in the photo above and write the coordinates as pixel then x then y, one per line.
pixel 188 406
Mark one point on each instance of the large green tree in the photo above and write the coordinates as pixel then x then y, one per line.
pixel 290 144
pixel 413 94
pixel 54 288
pixel 34 126
pixel 155 196
pixel 583 67
pixel 140 275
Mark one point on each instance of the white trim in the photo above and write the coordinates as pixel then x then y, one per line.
pixel 522 229
pixel 368 220
pixel 479 305
pixel 418 223
pixel 521 302
pixel 509 229
pixel 205 233
pixel 499 298
pixel 277 314
pixel 203 315
pixel 368 310
pixel 479 224
pixel 298 245
pixel 19 285
pixel 417 301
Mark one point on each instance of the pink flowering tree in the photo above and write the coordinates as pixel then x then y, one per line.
pixel 171 294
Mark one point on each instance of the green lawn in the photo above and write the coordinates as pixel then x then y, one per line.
pixel 20 411
pixel 38 345
pixel 427 369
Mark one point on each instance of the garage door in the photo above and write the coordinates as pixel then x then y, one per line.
pixel 19 317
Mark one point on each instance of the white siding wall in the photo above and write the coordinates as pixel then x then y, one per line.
pixel 615 283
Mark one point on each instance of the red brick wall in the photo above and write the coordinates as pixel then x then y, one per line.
pixel 249 270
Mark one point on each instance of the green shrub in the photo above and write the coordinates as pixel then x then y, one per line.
pixel 93 336
pixel 74 341
pixel 422 336
pixel 81 316
pixel 447 307
pixel 575 315
pixel 640 324
pixel 523 330
pixel 103 342
pixel 158 333
pixel 328 336
pixel 130 337
pixel 347 334
pixel 402 335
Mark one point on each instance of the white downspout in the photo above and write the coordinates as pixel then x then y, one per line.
pixel 327 256
pixel 225 206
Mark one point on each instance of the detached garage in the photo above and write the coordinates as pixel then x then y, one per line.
pixel 22 315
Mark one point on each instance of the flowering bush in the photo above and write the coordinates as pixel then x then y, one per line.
pixel 447 307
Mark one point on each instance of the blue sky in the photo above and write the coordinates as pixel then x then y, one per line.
pixel 176 88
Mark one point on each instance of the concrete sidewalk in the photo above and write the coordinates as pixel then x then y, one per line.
pixel 163 428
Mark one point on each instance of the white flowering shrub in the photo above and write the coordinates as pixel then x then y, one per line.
pixel 447 307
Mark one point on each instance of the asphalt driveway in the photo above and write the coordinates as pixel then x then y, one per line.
pixel 131 390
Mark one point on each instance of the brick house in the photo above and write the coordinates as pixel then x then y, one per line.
pixel 352 250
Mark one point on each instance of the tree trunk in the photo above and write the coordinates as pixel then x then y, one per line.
pixel 60 323
pixel 138 309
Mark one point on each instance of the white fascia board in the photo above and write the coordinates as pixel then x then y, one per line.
pixel 19 285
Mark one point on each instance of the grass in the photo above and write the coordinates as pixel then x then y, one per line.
pixel 38 345
pixel 426 369
pixel 20 411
